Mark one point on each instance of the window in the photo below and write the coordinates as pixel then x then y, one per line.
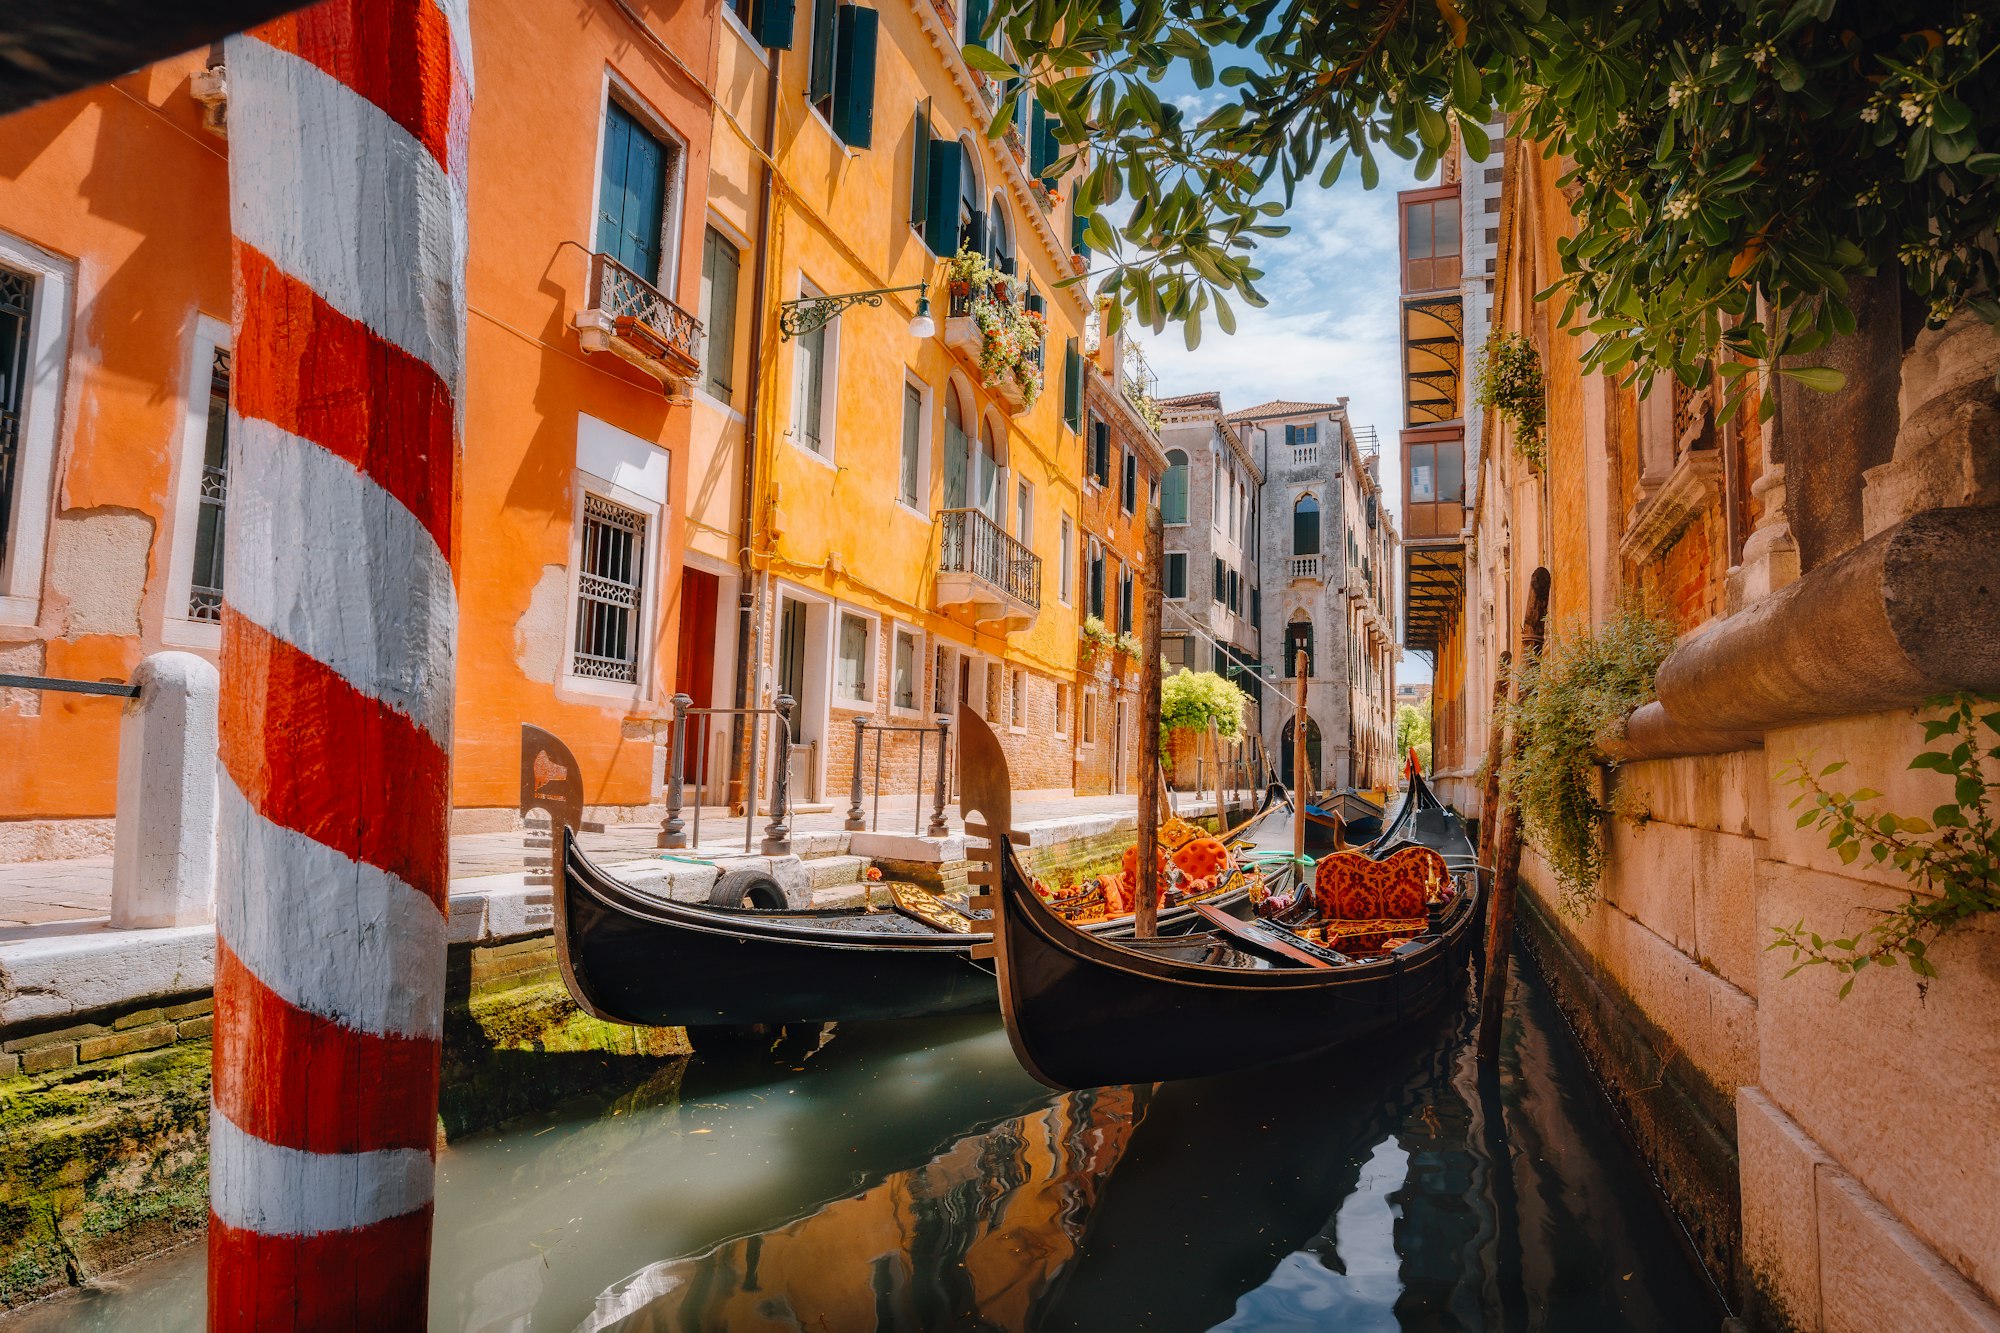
pixel 1298 435
pixel 1125 624
pixel 1219 576
pixel 1089 736
pixel 1298 639
pixel 1176 575
pixel 610 575
pixel 987 493
pixel 1096 579
pixel 1174 648
pixel 1018 700
pixel 1062 709
pixel 1131 482
pixel 633 219
pixel 721 263
pixel 1430 244
pixel 1024 513
pixel 1100 452
pixel 853 666
pixel 1174 489
pixel 1256 607
pixel 957 447
pixel 944 664
pixel 906 670
pixel 1072 385
pixel 1305 526
pixel 1233 599
pixel 205 582
pixel 910 479
pixel 814 386
pixel 999 238
pixel 1434 486
pixel 1065 560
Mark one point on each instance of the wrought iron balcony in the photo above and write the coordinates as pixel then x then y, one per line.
pixel 628 317
pixel 981 567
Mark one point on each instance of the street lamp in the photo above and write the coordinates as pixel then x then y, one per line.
pixel 809 314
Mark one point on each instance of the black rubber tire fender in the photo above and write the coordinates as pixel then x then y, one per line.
pixel 747 887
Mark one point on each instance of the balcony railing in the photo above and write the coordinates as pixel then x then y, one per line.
pixel 1005 574
pixel 1302 566
pixel 629 317
pixel 1305 453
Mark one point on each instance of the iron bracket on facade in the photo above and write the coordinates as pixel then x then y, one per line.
pixel 809 314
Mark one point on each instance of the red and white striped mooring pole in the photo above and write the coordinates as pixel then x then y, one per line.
pixel 347 154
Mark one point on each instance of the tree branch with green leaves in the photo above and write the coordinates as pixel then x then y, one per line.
pixel 1729 158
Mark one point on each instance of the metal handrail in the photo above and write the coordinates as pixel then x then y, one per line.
pixel 778 833
pixel 64 685
pixel 856 822
pixel 974 544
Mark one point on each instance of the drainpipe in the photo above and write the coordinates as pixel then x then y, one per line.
pixel 749 598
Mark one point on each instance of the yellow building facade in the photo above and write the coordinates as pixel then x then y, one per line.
pixel 911 532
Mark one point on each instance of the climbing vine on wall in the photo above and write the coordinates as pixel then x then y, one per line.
pixel 1952 859
pixel 1584 682
pixel 1510 382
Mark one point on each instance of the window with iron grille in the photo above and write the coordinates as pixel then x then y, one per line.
pixel 611 570
pixel 17 295
pixel 205 588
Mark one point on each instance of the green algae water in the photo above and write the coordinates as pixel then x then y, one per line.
pixel 910 1176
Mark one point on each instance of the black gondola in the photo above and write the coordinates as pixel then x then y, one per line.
pixel 630 957
pixel 1358 820
pixel 1086 1012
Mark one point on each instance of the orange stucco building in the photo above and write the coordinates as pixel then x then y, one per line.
pixel 588 177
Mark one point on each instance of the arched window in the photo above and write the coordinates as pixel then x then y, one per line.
pixel 1174 488
pixel 986 490
pixel 1305 526
pixel 999 237
pixel 956 445
pixel 971 232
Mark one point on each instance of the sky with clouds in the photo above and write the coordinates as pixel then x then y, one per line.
pixel 1331 326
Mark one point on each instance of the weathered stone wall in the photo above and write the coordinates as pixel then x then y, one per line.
pixel 104 1123
pixel 1831 1157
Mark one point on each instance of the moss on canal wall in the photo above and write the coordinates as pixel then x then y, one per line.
pixel 1683 1126
pixel 103 1125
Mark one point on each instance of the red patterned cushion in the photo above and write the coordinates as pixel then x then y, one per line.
pixel 1349 886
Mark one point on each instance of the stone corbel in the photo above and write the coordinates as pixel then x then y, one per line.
pixel 1948 445
pixel 1770 554
pixel 1692 486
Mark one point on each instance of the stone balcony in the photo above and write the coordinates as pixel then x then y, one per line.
pixel 627 316
pixel 983 570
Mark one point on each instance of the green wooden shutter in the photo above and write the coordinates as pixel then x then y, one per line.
pixel 773 24
pixel 975 22
pixel 1032 117
pixel 631 203
pixel 920 168
pixel 854 76
pixel 947 164
pixel 819 81
pixel 1072 385
pixel 1078 224
pixel 1045 126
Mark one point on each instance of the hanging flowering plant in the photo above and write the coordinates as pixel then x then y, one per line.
pixel 1010 334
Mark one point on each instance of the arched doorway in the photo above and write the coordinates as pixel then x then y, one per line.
pixel 1285 751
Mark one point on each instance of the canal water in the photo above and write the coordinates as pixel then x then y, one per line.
pixel 909 1176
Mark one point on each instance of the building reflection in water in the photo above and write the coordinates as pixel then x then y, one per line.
pixel 976 1238
pixel 1389 1186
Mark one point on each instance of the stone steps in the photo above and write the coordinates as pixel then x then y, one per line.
pixel 852 895
pixel 826 871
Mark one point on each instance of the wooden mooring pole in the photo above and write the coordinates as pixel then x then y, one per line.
pixel 1146 905
pixel 1496 736
pixel 347 194
pixel 1299 780
pixel 1507 851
